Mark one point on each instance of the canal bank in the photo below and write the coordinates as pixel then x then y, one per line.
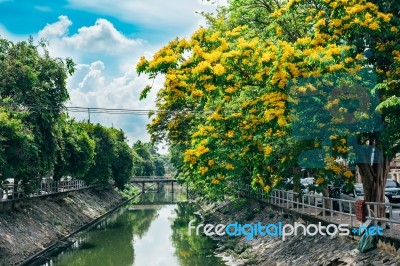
pixel 296 250
pixel 34 226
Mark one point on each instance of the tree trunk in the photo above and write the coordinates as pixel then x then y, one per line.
pixel 374 180
pixel 296 183
pixel 327 203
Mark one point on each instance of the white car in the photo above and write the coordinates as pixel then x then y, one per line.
pixel 316 200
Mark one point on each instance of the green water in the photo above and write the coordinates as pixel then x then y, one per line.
pixel 141 234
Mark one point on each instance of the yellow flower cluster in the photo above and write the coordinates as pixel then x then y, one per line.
pixel 319 180
pixel 230 134
pixel 216 116
pixel 215 182
pixel 268 150
pixel 210 87
pixel 342 149
pixel 199 151
pixel 219 69
pixel 203 170
pixel 229 166
pixel 203 131
pixel 348 174
pixel 230 90
pixel 197 94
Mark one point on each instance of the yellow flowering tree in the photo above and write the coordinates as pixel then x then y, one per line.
pixel 232 103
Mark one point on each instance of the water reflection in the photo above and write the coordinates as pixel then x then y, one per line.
pixel 146 232
pixel 191 250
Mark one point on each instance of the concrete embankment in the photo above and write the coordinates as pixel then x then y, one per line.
pixel 38 223
pixel 295 250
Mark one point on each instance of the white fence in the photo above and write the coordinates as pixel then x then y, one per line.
pixel 13 192
pixel 334 210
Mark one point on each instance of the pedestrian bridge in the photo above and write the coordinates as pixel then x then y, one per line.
pixel 148 182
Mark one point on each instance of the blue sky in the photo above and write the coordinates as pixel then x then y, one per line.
pixel 105 39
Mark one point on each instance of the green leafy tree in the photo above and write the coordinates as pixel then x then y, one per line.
pixel 75 154
pixel 33 82
pixel 122 161
pixel 159 169
pixel 100 172
pixel 18 151
pixel 144 160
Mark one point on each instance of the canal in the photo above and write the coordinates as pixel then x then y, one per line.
pixel 151 230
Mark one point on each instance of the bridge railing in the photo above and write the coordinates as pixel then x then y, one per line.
pixel 11 192
pixel 334 210
pixel 150 177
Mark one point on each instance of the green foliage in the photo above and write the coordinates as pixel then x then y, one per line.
pixel 129 191
pixel 122 161
pixel 18 150
pixel 147 162
pixel 159 169
pixel 113 160
pixel 75 152
pixel 34 81
pixel 144 93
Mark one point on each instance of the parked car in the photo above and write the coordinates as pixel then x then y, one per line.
pixel 392 190
pixel 356 193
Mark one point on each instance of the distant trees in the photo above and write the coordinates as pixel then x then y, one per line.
pixel 147 161
pixel 122 163
pixel 143 159
pixel 113 159
pixel 75 151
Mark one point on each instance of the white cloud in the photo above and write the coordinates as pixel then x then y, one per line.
pixel 101 37
pixel 105 75
pixel 56 29
pixel 94 80
pixel 88 88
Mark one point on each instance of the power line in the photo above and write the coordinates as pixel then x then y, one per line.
pixel 94 110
